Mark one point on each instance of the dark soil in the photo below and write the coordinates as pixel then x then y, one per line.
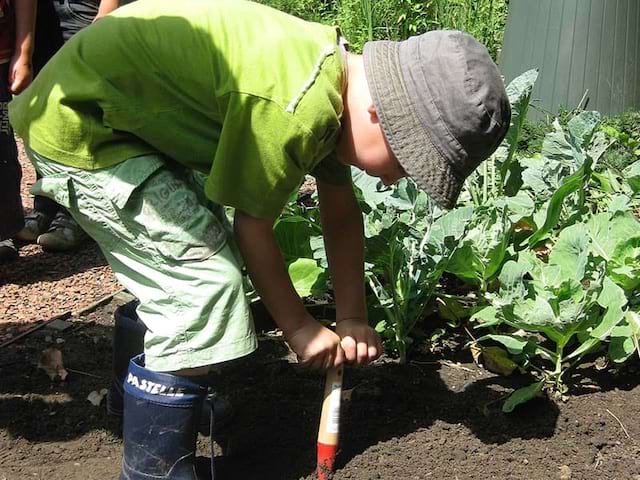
pixel 434 418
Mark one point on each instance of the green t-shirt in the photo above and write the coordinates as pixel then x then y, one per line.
pixel 238 90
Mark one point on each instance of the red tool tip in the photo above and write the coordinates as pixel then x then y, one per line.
pixel 326 459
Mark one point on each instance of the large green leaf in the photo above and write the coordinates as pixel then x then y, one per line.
pixel 307 277
pixel 532 312
pixel 385 252
pixel 622 344
pixel 515 345
pixel 373 193
pixel 625 264
pixel 542 176
pixel 496 360
pixel 632 176
pixel 466 265
pixel 598 146
pixel 558 146
pixel 520 206
pixel 487 316
pixel 608 229
pixel 453 225
pixel 512 287
pixel 607 181
pixel 582 127
pixel 319 253
pixel 519 93
pixel 484 248
pixel 570 185
pixel 613 299
pixel 293 235
pixel 571 252
pixel 625 337
pixel 633 319
pixel 619 203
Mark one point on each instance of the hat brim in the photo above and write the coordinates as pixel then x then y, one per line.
pixel 407 136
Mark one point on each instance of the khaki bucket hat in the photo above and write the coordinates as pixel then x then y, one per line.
pixel 442 105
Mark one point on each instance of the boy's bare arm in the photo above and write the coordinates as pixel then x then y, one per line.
pixel 315 345
pixel 20 73
pixel 344 242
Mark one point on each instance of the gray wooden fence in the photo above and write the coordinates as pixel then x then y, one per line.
pixel 579 46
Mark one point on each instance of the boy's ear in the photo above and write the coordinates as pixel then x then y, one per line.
pixel 373 114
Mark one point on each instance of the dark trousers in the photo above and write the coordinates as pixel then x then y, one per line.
pixel 74 15
pixel 11 215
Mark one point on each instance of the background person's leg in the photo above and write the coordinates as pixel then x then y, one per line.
pixel 11 215
pixel 39 219
pixel 74 15
pixel 64 234
pixel 48 40
pixel 49 224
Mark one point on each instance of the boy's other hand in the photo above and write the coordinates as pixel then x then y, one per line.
pixel 360 342
pixel 316 346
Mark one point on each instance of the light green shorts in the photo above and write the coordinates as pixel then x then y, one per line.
pixel 167 244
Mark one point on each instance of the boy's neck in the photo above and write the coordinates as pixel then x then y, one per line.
pixel 355 97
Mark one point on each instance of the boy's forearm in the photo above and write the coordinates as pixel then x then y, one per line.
pixel 267 270
pixel 344 243
pixel 25 26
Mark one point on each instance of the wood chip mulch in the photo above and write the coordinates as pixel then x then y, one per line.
pixel 40 285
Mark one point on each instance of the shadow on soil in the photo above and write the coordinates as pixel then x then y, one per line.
pixel 49 267
pixel 33 406
pixel 277 402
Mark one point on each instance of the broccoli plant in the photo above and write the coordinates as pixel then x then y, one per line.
pixel 408 244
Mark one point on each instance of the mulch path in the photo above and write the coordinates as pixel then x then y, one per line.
pixel 40 285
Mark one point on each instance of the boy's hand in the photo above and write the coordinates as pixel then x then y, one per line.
pixel 360 342
pixel 316 346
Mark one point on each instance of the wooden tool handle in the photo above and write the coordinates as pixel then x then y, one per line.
pixel 328 432
pixel 330 417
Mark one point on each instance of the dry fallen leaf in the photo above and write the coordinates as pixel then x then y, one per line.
pixel 51 362
pixel 476 351
pixel 96 397
pixel 565 472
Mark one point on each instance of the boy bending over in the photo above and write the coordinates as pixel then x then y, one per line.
pixel 146 123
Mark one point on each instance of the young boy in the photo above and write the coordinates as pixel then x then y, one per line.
pixel 126 112
pixel 16 46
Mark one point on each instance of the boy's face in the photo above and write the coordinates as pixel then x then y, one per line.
pixel 365 146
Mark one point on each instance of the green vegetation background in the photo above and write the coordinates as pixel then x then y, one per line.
pixel 364 20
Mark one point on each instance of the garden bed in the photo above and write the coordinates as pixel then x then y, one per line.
pixel 436 417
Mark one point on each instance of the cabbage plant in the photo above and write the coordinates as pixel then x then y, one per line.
pixel 561 308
